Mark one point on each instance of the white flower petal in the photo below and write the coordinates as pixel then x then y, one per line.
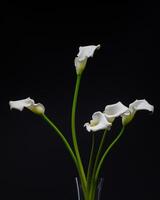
pixel 114 110
pixel 98 122
pixel 81 59
pixel 87 51
pixel 20 104
pixel 87 125
pixel 27 103
pixel 141 105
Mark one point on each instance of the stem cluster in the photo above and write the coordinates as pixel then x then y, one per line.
pixel 90 179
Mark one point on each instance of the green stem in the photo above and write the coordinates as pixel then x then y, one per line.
pixel 90 162
pixel 74 138
pixel 61 136
pixel 107 151
pixel 96 162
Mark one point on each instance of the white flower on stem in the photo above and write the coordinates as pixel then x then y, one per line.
pixel 133 108
pixel 81 59
pixel 114 110
pixel 98 122
pixel 29 103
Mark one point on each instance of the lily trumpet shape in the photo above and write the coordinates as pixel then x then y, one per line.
pixel 133 108
pixel 29 103
pixel 98 122
pixel 81 59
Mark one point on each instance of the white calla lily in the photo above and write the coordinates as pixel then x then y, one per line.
pixel 81 59
pixel 134 107
pixel 29 103
pixel 114 110
pixel 98 122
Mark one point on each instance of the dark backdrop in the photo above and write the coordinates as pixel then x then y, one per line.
pixel 39 42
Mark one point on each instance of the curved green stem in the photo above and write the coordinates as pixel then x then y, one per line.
pixel 74 138
pixel 107 151
pixel 96 162
pixel 90 162
pixel 61 136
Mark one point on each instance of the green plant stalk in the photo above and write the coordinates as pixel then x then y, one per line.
pixel 61 136
pixel 90 165
pixel 65 142
pixel 92 186
pixel 74 138
pixel 107 151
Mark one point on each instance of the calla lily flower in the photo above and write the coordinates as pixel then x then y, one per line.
pixel 98 122
pixel 29 103
pixel 133 108
pixel 81 59
pixel 114 110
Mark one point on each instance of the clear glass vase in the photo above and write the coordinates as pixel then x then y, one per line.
pixel 80 195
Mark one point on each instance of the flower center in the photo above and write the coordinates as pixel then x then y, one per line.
pixel 94 122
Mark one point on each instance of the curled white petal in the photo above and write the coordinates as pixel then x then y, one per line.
pixel 87 51
pixel 141 105
pixel 114 110
pixel 20 104
pixel 84 53
pixel 29 103
pixel 98 122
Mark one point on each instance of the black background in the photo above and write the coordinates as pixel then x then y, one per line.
pixel 39 43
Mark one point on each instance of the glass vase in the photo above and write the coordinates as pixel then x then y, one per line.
pixel 80 195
